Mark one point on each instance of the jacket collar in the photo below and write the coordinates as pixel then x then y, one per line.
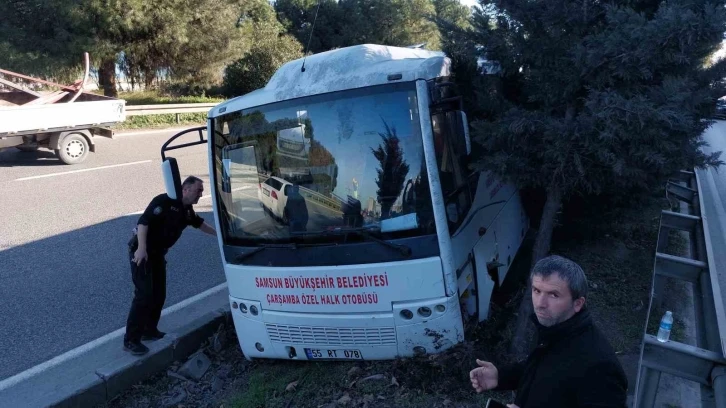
pixel 570 327
pixel 178 202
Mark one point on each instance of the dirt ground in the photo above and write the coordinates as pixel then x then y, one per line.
pixel 616 253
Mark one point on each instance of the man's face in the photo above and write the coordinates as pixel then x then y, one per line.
pixel 552 300
pixel 191 194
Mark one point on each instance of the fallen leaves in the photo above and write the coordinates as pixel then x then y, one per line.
pixel 374 377
pixel 354 371
pixel 345 399
pixel 291 386
pixel 369 378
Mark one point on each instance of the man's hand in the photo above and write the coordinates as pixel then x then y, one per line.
pixel 485 377
pixel 208 229
pixel 512 406
pixel 139 255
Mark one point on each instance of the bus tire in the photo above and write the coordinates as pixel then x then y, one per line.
pixel 73 149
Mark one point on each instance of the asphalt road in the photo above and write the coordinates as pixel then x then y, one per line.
pixel 64 272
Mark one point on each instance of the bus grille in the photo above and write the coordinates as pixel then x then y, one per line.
pixel 334 336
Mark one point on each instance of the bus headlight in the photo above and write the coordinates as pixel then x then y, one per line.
pixel 424 311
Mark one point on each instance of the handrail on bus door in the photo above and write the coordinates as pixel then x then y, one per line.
pixel 201 140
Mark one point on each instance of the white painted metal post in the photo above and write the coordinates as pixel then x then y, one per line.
pixel 442 226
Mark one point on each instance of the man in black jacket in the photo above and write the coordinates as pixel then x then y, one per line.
pixel 573 365
pixel 157 230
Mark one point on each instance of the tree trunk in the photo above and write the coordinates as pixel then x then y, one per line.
pixel 149 77
pixel 386 210
pixel 524 330
pixel 546 224
pixel 107 77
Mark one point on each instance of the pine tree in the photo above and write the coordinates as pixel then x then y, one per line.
pixel 597 96
pixel 270 47
pixel 594 98
pixel 393 170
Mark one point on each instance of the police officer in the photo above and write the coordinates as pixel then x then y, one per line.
pixel 158 228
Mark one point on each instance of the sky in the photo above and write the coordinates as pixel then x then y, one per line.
pixel 469 2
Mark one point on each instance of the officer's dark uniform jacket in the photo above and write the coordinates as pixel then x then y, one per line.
pixel 166 220
pixel 573 365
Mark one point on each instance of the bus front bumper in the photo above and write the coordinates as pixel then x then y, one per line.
pixel 420 327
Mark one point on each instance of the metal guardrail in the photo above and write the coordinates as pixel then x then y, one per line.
pixel 704 363
pixel 321 199
pixel 137 110
pixel 333 204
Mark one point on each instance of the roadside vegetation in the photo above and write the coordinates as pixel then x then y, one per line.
pixel 162 121
pixel 155 97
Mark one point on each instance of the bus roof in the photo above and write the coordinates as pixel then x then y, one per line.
pixel 340 69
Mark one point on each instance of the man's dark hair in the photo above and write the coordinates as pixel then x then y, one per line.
pixel 567 270
pixel 190 181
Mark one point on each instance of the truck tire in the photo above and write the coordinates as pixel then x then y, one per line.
pixel 73 149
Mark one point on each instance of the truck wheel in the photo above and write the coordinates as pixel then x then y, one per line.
pixel 73 149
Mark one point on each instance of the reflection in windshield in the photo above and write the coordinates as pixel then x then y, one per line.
pixel 345 160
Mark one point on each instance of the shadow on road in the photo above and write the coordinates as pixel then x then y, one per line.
pixel 40 158
pixel 63 291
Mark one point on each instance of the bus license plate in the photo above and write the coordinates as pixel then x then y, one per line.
pixel 342 354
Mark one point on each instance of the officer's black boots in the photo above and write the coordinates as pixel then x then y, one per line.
pixel 135 348
pixel 157 335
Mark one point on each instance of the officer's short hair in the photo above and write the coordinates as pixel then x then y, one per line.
pixel 567 270
pixel 190 181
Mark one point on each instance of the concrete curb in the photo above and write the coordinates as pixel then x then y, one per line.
pixel 104 372
pixel 121 374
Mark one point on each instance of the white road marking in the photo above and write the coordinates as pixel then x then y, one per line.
pixel 9 382
pixel 82 170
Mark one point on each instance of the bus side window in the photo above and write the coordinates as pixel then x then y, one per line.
pixel 453 170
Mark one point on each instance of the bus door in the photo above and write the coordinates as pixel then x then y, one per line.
pixel 469 217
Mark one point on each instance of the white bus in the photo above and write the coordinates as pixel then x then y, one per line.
pixel 390 271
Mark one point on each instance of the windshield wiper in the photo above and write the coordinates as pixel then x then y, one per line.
pixel 361 232
pixel 241 257
pixel 404 250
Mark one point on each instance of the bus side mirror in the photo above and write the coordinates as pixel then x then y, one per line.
pixel 465 130
pixel 172 181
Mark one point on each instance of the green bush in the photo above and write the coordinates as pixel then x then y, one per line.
pixel 162 121
pixel 156 98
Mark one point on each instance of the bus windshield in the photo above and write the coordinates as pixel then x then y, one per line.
pixel 308 170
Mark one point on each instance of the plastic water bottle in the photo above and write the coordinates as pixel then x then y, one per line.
pixel 664 332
